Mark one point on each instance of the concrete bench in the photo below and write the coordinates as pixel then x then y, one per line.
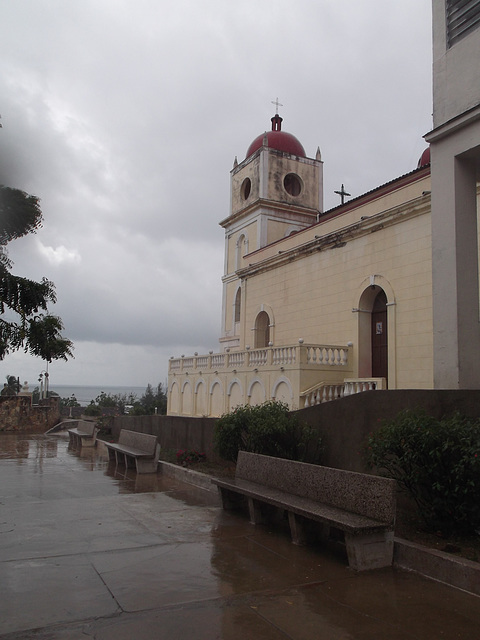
pixel 133 449
pixel 83 435
pixel 362 506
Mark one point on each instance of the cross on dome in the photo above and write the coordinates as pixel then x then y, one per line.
pixel 277 104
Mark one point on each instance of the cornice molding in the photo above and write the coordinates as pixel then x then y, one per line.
pixel 339 238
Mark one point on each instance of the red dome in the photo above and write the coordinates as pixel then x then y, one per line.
pixel 279 140
pixel 424 158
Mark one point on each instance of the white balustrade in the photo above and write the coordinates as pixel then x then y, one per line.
pixel 236 359
pixel 284 355
pixel 257 358
pixel 290 355
pixel 325 392
pixel 332 356
pixel 218 360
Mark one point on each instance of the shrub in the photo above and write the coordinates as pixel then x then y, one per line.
pixel 437 462
pixel 92 409
pixel 187 456
pixel 269 429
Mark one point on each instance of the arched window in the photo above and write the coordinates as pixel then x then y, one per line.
pixel 262 330
pixel 241 250
pixel 238 305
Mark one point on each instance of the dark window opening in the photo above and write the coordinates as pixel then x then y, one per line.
pixel 292 184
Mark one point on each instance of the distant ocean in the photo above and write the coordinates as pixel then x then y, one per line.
pixel 84 394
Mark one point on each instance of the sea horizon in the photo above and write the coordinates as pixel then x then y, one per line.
pixel 84 394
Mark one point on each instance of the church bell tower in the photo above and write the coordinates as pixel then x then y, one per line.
pixel 274 192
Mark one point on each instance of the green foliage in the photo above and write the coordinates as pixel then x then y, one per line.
pixel 92 409
pixel 20 214
pixel 437 462
pixel 36 396
pixel 188 456
pixel 11 387
pixel 269 429
pixel 68 402
pixel 154 400
pixel 45 340
pixel 109 401
pixel 22 300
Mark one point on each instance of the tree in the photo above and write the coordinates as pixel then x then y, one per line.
pixel 26 326
pixel 154 400
pixel 11 387
pixel 110 401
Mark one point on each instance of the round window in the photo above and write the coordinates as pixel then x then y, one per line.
pixel 246 188
pixel 292 184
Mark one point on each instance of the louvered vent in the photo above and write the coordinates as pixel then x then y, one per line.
pixel 463 16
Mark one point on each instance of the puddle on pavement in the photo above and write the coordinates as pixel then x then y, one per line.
pixel 37 448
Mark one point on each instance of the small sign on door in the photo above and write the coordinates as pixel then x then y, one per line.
pixel 379 328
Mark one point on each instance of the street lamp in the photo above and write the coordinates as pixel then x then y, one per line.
pixel 43 390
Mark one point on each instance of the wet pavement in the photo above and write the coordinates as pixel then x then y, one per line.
pixel 89 552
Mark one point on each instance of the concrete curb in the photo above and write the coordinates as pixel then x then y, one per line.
pixel 437 565
pixel 184 474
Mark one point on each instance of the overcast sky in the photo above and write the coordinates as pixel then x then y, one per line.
pixel 125 116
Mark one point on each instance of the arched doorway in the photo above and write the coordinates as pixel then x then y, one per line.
pixel 262 330
pixel 379 332
pixel 376 322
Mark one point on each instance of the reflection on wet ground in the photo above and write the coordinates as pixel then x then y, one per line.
pixel 87 550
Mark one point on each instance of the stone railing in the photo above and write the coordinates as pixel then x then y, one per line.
pixel 291 355
pixel 326 392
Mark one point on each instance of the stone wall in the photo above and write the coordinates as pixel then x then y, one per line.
pixel 17 413
pixel 173 432
pixel 343 424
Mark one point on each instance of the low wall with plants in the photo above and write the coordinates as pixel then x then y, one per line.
pixel 343 425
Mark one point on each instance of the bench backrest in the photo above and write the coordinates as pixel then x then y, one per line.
pixel 367 495
pixel 86 426
pixel 142 441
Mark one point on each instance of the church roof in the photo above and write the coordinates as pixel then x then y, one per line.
pixel 277 139
pixel 424 158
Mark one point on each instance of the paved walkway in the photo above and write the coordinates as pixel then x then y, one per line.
pixel 88 553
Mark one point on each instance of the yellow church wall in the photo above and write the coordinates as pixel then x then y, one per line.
pixel 249 231
pixel 229 298
pixel 279 165
pixel 252 171
pixel 375 205
pixel 276 230
pixel 313 297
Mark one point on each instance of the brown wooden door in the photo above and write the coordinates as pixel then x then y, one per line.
pixel 262 333
pixel 379 337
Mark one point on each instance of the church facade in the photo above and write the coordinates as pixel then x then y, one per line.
pixel 382 291
pixel 316 305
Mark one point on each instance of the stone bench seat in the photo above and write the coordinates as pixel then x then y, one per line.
pixel 333 516
pixel 360 505
pixel 84 435
pixel 137 450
